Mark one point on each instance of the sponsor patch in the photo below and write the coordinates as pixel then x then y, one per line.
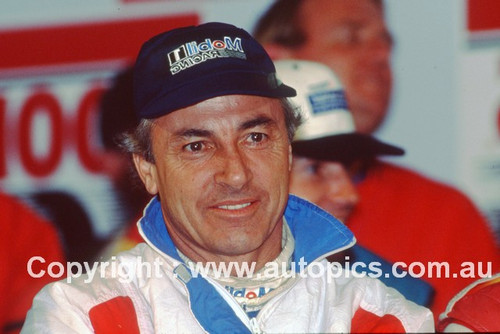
pixel 327 101
pixel 248 293
pixel 193 53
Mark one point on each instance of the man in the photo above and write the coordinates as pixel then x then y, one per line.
pixel 116 116
pixel 401 215
pixel 349 36
pixel 322 148
pixel 213 145
pixel 327 142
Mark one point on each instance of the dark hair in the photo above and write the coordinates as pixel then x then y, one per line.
pixel 280 24
pixel 116 107
pixel 138 141
pixel 117 115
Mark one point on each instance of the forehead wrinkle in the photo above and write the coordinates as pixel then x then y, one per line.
pixel 188 132
pixel 252 123
pixel 257 121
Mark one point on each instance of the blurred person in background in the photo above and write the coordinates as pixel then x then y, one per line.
pixel 327 143
pixel 401 215
pixel 324 150
pixel 25 235
pixel 116 115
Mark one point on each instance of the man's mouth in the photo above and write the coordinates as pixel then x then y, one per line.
pixel 234 207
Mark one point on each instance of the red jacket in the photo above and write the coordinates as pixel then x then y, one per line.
pixel 476 308
pixel 403 216
pixel 24 234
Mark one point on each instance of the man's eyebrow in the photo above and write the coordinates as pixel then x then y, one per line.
pixel 258 121
pixel 193 132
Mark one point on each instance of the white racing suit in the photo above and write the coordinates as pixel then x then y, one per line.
pixel 168 297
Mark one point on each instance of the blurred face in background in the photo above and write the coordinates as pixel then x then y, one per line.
pixel 324 183
pixel 352 39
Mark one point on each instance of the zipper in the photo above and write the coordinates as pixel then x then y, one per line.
pixel 254 326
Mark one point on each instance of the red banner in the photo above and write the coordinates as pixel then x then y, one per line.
pixel 82 43
pixel 483 15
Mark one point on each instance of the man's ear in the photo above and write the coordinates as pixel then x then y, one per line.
pixel 277 51
pixel 147 173
pixel 290 158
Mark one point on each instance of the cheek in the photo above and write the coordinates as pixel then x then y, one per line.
pixel 266 174
pixel 275 162
pixel 175 183
pixel 342 63
pixel 283 168
pixel 308 185
pixel 295 186
pixel 344 67
pixel 301 184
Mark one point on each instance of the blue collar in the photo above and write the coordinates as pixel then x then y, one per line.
pixel 316 232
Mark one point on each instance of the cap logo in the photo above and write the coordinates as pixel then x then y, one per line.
pixel 193 53
pixel 327 101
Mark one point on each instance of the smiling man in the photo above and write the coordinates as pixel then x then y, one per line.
pixel 224 174
pixel 214 147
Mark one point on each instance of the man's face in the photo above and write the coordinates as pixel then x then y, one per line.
pixel 352 39
pixel 324 183
pixel 222 172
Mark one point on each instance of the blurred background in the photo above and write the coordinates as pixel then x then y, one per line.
pixel 58 57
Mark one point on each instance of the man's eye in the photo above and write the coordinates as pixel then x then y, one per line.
pixel 194 147
pixel 345 35
pixel 313 168
pixel 256 137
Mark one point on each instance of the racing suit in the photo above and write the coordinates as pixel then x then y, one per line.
pixel 173 298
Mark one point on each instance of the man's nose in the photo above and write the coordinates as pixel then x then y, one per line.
pixel 340 189
pixel 233 168
pixel 379 48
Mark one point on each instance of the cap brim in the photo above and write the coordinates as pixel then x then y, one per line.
pixel 344 147
pixel 221 83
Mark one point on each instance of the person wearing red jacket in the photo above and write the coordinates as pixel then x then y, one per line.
pixel 475 309
pixel 24 235
pixel 401 215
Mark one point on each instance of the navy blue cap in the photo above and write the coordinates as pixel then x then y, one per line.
pixel 188 65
